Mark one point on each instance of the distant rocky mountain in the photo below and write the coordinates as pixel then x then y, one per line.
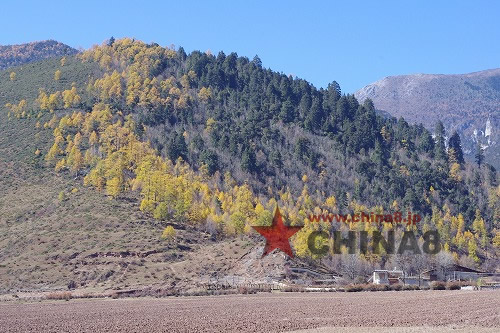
pixel 468 103
pixel 14 55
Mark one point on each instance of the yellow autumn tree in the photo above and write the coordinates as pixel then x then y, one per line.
pixel 455 172
pixel 205 94
pixel 93 140
pixel 70 98
pixel 114 187
pixel 472 249
pixel 479 228
pixel 55 101
pixel 77 140
pixel 60 165
pixel 263 216
pixel 75 159
pixel 496 240
pixel 459 239
pixel 43 100
pixel 169 233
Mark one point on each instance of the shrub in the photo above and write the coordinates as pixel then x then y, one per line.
pixel 198 292
pixel 453 286
pixel 411 287
pixel 168 233
pixel 294 289
pixel 438 285
pixel 71 285
pixel 396 287
pixel 354 288
pixel 375 287
pixel 243 290
pixel 369 287
pixel 266 289
pixel 246 290
pixel 63 295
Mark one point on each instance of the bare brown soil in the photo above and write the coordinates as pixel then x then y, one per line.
pixel 421 310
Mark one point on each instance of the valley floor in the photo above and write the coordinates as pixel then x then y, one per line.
pixel 404 311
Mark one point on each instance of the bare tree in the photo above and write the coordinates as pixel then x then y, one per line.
pixel 421 262
pixel 351 266
pixel 444 261
pixel 333 262
pixel 467 261
pixel 403 262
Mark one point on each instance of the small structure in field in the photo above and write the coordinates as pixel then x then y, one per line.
pixel 453 273
pixel 383 276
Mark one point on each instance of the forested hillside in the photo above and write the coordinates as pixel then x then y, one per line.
pixel 217 141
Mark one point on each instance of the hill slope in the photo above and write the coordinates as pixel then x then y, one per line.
pixel 468 103
pixel 97 243
pixel 207 145
pixel 14 55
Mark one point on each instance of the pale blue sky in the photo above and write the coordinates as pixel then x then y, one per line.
pixel 352 42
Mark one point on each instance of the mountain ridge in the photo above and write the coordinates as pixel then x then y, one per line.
pixel 19 54
pixel 467 103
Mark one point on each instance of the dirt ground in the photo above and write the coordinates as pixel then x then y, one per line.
pixel 404 311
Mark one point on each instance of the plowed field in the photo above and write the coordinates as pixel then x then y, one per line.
pixel 404 311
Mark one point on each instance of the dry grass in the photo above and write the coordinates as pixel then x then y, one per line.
pixel 63 295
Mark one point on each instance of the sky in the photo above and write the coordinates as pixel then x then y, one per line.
pixel 352 42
